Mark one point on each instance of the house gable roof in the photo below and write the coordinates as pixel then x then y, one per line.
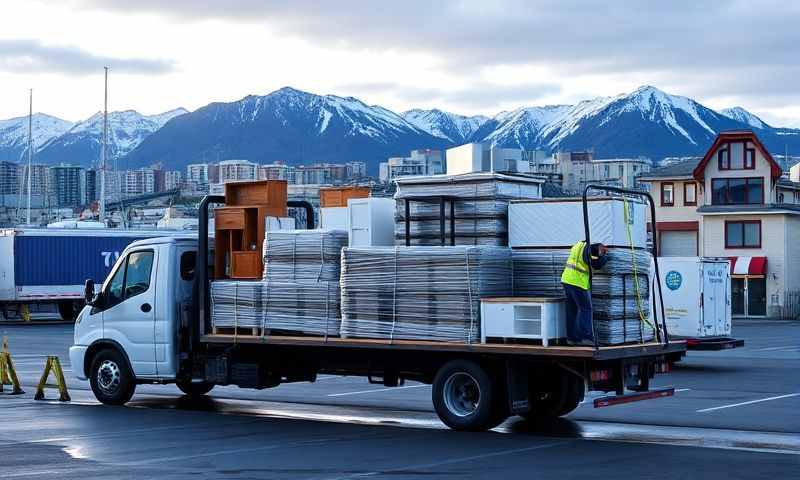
pixel 735 136
pixel 683 169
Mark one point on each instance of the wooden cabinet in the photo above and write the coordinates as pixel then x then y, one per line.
pixel 338 196
pixel 241 224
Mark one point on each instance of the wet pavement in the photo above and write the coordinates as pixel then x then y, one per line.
pixel 734 415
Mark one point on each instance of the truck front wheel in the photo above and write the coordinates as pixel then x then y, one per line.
pixel 466 398
pixel 112 381
pixel 194 389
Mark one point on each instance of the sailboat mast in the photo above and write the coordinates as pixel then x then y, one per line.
pixel 103 151
pixel 30 156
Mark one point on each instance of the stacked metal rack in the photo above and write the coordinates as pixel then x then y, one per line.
pixel 471 209
pixel 420 293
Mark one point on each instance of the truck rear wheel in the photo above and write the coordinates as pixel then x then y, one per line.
pixel 194 389
pixel 111 379
pixel 466 398
pixel 560 394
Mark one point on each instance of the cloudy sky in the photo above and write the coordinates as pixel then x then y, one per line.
pixel 465 56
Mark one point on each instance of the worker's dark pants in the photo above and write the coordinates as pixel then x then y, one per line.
pixel 579 313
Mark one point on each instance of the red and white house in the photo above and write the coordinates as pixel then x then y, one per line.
pixel 733 202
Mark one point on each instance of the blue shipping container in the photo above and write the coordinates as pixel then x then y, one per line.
pixel 63 260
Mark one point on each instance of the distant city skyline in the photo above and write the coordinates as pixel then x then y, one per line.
pixel 465 57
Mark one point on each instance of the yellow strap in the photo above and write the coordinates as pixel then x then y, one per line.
pixel 642 316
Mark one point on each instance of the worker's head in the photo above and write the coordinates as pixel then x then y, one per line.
pixel 599 249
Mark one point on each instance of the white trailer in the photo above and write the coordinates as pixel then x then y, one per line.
pixel 697 301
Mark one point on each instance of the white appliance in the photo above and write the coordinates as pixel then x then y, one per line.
pixel 370 222
pixel 697 296
pixel 559 222
pixel 333 218
pixel 537 318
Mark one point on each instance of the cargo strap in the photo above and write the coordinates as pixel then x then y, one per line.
pixel 8 374
pixel 53 366
pixel 642 316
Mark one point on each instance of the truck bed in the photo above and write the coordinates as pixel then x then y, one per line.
pixel 602 353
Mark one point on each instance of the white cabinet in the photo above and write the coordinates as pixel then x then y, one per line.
pixel 333 218
pixel 537 318
pixel 370 222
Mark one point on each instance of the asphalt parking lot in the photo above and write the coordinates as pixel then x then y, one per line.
pixel 734 415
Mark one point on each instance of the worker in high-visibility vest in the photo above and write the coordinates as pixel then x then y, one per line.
pixel 575 279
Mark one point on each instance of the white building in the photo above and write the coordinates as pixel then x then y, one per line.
pixel 138 182
pixel 482 157
pixel 581 168
pixel 356 170
pixel 276 171
pixel 419 162
pixel 733 203
pixel 233 170
pixel 172 179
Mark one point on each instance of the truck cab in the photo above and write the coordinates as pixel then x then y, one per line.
pixel 130 328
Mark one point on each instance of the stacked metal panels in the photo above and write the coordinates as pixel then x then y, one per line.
pixel 538 272
pixel 311 308
pixel 300 289
pixel 303 255
pixel 236 303
pixel 614 294
pixel 420 293
pixel 480 203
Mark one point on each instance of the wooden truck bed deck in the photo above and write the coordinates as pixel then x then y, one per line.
pixel 602 353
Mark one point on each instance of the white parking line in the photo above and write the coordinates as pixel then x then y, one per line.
pixel 748 403
pixel 375 390
pixel 785 347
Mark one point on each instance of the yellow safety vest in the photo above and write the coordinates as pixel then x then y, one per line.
pixel 576 271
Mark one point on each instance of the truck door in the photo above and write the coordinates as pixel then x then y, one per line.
pixel 129 309
pixel 714 298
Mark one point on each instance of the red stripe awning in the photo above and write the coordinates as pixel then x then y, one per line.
pixel 748 265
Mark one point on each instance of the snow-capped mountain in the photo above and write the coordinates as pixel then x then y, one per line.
pixel 457 129
pixel 14 134
pixel 742 115
pixel 288 125
pixel 81 143
pixel 645 122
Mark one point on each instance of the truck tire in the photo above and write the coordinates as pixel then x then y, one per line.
pixel 466 398
pixel 194 389
pixel 562 394
pixel 69 309
pixel 112 381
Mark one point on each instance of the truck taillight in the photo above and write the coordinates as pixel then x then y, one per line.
pixel 599 375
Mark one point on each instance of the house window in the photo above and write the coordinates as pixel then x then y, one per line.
pixel 737 191
pixel 667 194
pixel 621 171
pixel 689 193
pixel 736 156
pixel 743 234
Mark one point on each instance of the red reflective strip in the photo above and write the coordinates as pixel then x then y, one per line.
pixel 633 397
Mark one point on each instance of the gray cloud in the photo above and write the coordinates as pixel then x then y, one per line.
pixel 31 56
pixel 681 43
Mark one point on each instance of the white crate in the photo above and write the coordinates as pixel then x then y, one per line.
pixel 535 318
pixel 559 223
pixel 370 222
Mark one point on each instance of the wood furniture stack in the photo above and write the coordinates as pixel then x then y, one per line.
pixel 241 224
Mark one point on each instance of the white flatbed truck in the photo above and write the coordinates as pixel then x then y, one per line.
pixel 150 323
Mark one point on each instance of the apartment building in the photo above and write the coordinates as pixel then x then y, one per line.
pixel 419 162
pixel 734 203
pixel 581 168
pixel 172 179
pixel 68 185
pixel 233 170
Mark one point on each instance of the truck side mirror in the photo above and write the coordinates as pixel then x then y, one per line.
pixel 88 291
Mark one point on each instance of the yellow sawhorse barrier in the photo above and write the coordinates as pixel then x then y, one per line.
pixel 53 365
pixel 8 374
